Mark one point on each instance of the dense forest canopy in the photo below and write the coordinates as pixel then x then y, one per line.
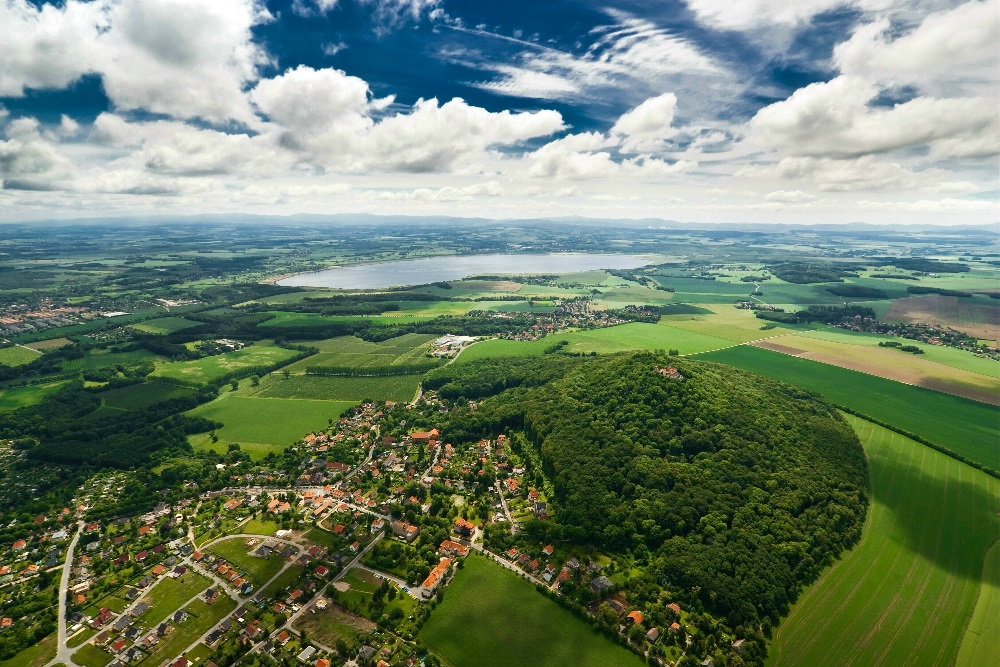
pixel 735 487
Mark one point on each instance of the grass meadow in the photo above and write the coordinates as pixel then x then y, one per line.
pixel 261 425
pixel 260 570
pixel 400 388
pixel 904 594
pixel 356 353
pixel 492 617
pixel 165 325
pixel 171 594
pixel 17 397
pixel 16 356
pixel 621 338
pixel 205 370
pixel 140 396
pixel 981 642
pixel 102 358
pixel 969 428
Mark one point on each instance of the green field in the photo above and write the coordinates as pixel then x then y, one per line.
pixel 203 617
pixel 286 319
pixel 967 427
pixel 36 656
pixel 165 325
pixel 91 656
pixel 16 397
pixel 210 368
pixel 904 594
pixel 399 388
pixel 632 336
pixel 15 356
pixel 260 425
pixel 139 396
pixel 490 616
pixel 356 353
pixel 981 642
pixel 171 594
pixel 101 358
pixel 260 527
pixel 260 570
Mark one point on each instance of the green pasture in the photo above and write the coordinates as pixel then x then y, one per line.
pixel 967 427
pixel 400 388
pixel 165 325
pixel 631 336
pixel 288 319
pixel 205 370
pixel 16 356
pixel 91 656
pixel 284 580
pixel 492 617
pixel 904 594
pixel 37 655
pixel 12 398
pixel 261 425
pixel 354 352
pixel 139 396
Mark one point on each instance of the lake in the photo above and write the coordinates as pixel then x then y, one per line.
pixel 435 269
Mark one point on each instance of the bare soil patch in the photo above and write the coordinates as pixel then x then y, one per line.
pixel 333 623
pixel 777 347
pixel 982 321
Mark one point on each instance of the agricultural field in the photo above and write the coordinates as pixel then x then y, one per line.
pixel 893 364
pixel 101 358
pixel 490 616
pixel 164 325
pixel 140 396
pixel 12 398
pixel 981 642
pixel 399 388
pixel 969 428
pixel 631 336
pixel 50 344
pixel 353 352
pixel 909 587
pixel 205 370
pixel 723 321
pixel 971 316
pixel 260 425
pixel 289 319
pixel 333 623
pixel 16 355
pixel 260 570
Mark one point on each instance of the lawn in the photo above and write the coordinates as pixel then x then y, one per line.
pixel 260 425
pixel 259 569
pixel 904 594
pixel 981 638
pixel 202 618
pixel 892 364
pixel 284 580
pixel 15 356
pixel 17 397
pixel 490 616
pixel 171 594
pixel 969 428
pixel 400 388
pixel 140 396
pixel 91 656
pixel 324 538
pixel 210 368
pixel 35 656
pixel 260 527
pixel 165 325
pixel 632 336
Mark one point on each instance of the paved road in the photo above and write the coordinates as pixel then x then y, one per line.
pixel 415 591
pixel 63 653
pixel 503 502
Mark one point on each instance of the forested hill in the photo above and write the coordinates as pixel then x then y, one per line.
pixel 736 487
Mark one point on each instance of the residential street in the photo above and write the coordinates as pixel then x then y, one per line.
pixel 63 653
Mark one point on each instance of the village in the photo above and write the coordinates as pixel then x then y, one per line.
pixel 338 562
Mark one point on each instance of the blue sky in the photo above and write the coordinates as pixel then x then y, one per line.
pixel 701 110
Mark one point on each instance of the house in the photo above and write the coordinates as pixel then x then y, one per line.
pixel 600 584
pixel 436 576
pixel 377 525
pixel 307 654
pixel 355 546
pixel 282 638
pixel 322 570
pixel 158 570
pixel 738 645
pixel 123 622
pixel 117 646
pixel 550 571
pixel 180 662
pixel 19 545
pixel 674 608
pixel 464 528
pixel 573 563
pixel 142 555
pixel 635 617
pixel 366 653
pixel 211 595
pixel 103 616
pixel 134 654
pixel 451 548
pixel 163 629
pixel 652 635
pixel 102 639
pixel 322 662
pixel 707 662
pixel 548 550
pixel 405 531
pixel 180 616
pixel 675 627
pixel 133 633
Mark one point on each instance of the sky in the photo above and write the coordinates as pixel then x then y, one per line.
pixel 798 111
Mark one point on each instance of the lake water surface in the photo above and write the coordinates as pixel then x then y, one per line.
pixel 434 269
